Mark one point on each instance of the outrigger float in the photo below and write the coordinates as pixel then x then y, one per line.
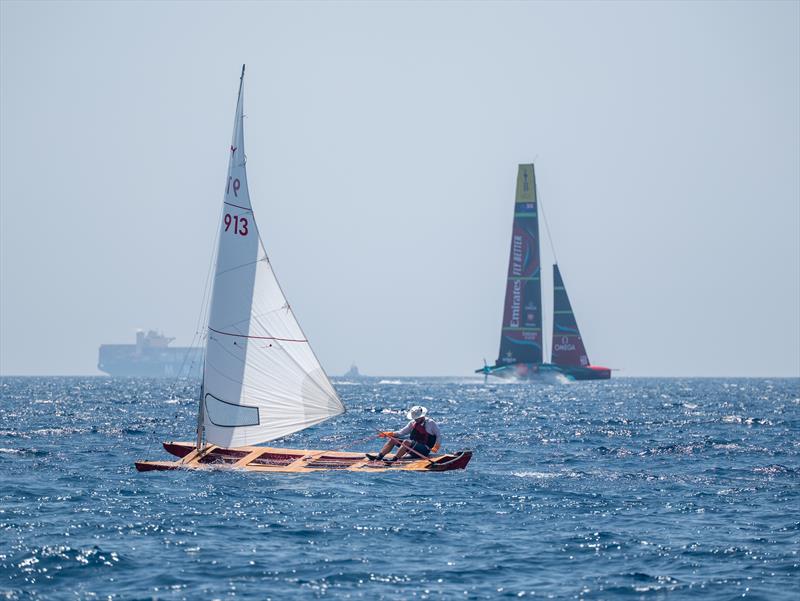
pixel 261 379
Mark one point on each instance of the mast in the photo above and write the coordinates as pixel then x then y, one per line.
pixel 201 403
pixel 521 334
pixel 200 411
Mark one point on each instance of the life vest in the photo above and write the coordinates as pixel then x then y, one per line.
pixel 420 434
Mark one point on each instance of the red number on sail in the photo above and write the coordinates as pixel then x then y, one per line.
pixel 239 224
pixel 236 185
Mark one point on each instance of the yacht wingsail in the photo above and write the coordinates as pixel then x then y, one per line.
pixel 261 380
pixel 521 338
pixel 521 349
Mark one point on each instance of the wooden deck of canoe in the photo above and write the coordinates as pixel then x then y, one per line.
pixel 269 459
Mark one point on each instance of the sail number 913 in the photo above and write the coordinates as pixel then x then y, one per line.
pixel 239 224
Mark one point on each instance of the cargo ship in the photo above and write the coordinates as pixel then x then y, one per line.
pixel 151 357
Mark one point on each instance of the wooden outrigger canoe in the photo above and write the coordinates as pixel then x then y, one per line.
pixel 261 379
pixel 271 459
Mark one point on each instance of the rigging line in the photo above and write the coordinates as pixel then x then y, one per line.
pixel 299 327
pixel 353 443
pixel 206 302
pixel 224 271
pixel 288 308
pixel 260 370
pixel 235 324
pixel 261 314
pixel 227 352
pixel 237 206
pixel 240 383
pixel 297 363
pixel 256 337
pixel 255 368
pixel 275 277
pixel 197 336
pixel 555 260
pixel 251 388
pixel 546 225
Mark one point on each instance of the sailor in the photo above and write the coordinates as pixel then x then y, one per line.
pixel 423 432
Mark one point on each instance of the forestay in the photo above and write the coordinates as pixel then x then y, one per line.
pixel 261 380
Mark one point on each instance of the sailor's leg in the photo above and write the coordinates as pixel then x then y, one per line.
pixel 386 449
pixel 390 444
pixel 403 449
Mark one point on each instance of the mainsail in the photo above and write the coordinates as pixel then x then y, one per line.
pixel 261 379
pixel 568 349
pixel 521 337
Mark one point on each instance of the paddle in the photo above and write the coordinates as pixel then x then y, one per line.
pixel 400 443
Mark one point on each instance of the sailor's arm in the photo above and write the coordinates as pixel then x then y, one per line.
pixel 405 431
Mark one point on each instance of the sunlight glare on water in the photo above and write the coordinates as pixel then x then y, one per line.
pixel 632 488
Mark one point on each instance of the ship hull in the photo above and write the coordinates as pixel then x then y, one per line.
pixel 278 460
pixel 545 371
pixel 120 360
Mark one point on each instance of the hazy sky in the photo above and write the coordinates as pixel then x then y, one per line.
pixel 383 141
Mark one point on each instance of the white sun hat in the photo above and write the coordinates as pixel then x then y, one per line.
pixel 416 412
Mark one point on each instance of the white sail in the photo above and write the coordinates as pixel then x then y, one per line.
pixel 261 380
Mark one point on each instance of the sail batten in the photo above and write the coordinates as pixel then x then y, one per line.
pixel 521 332
pixel 262 380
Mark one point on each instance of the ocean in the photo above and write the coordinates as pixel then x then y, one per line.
pixel 623 489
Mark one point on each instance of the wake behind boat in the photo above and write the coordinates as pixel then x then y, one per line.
pixel 521 345
pixel 261 379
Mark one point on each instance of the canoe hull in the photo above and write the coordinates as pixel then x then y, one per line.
pixel 279 460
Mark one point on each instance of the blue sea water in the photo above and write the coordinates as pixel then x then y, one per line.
pixel 626 489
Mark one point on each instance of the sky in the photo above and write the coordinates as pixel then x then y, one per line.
pixel 383 141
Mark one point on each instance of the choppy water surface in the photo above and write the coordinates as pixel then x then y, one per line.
pixel 633 488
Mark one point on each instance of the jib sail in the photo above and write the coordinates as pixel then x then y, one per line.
pixel 568 349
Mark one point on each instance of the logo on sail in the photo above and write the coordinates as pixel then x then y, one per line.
pixel 516 301
pixel 516 255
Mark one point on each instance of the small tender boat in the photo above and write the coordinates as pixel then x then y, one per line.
pixel 261 379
